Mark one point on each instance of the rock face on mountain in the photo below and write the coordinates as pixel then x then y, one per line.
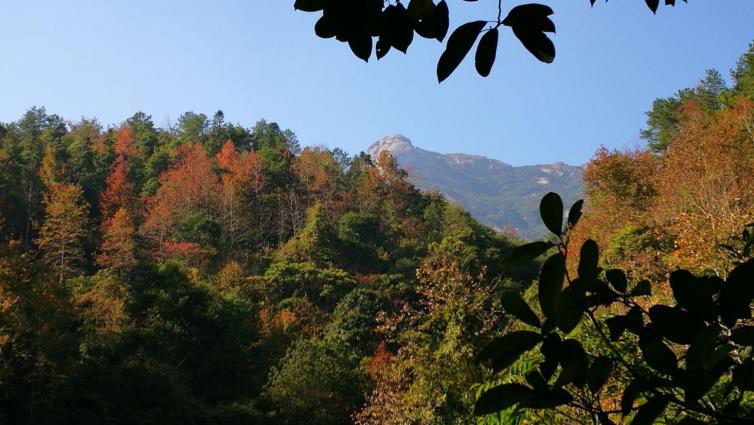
pixel 495 193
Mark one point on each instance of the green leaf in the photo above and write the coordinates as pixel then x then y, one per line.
pixel 500 398
pixel 650 411
pixel 505 350
pixel 599 372
pixel 574 214
pixel 642 288
pixel 515 305
pixel 486 52
pixel 550 283
pixel 588 260
pixel 459 44
pixel 551 210
pixel 617 279
pixel 525 253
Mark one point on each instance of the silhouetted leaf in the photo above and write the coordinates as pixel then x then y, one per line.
pixel 743 335
pixel 574 214
pixel 650 411
pixel 549 399
pixel 440 20
pixel 574 364
pixel 618 279
pixel 550 284
pixel 599 372
pixel 361 46
pixel 515 305
pixel 589 260
pixel 309 5
pixel 525 253
pixel 653 4
pixel 702 347
pixel 569 312
pixel 737 293
pixel 325 27
pixel 675 324
pixel 688 420
pixel 616 325
pixel 382 48
pixel 743 376
pixel 396 27
pixel 536 380
pixel 500 397
pixel 629 396
pixel 532 16
pixel 642 288
pixel 537 43
pixel 658 355
pixel 551 211
pixel 486 52
pixel 505 350
pixel 459 44
pixel 689 292
pixel 634 320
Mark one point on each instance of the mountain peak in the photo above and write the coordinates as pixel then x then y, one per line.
pixel 394 144
pixel 494 192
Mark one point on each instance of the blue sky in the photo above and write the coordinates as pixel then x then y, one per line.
pixel 260 59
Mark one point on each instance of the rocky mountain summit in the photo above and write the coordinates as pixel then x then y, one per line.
pixel 495 193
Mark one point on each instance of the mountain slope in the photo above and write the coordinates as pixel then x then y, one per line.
pixel 495 193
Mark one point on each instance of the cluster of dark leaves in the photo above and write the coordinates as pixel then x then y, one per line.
pixel 686 348
pixel 394 25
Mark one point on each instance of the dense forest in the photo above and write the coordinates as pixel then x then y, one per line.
pixel 210 273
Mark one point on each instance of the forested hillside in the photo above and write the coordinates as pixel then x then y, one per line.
pixel 211 273
pixel 215 274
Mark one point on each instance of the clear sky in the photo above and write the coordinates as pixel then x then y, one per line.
pixel 260 59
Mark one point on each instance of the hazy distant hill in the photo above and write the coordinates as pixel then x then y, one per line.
pixel 494 192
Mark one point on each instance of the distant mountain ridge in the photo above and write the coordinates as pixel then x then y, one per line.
pixel 495 193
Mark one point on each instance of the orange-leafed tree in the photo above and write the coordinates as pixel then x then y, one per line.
pixel 706 185
pixel 118 250
pixel 241 181
pixel 118 192
pixel 190 187
pixel 124 146
pixel 63 233
pixel 321 178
